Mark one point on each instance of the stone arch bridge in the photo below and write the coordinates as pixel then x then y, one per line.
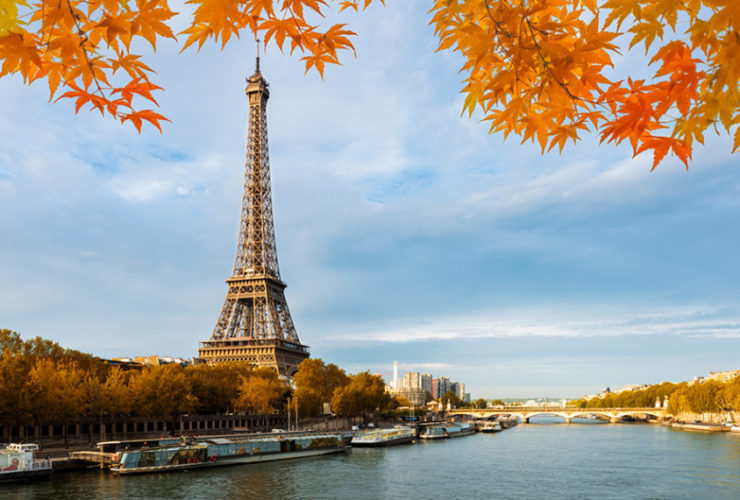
pixel 526 412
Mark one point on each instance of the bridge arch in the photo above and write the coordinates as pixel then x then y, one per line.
pixel 654 415
pixel 604 415
pixel 545 413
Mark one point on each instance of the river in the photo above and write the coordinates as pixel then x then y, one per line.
pixel 529 461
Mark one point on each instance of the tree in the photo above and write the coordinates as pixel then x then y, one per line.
pixel 315 383
pixel 402 401
pixel 536 68
pixel 364 393
pixel 481 403
pixel 10 342
pixel 261 392
pixel 215 387
pixel 58 390
pixel 160 390
pixel 450 397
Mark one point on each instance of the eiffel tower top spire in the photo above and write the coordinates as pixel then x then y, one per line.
pixel 256 252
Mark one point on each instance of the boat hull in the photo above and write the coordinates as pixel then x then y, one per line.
pixel 466 432
pixel 25 475
pixel 380 444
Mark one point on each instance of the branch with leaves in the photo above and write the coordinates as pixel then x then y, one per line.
pixel 535 68
pixel 538 68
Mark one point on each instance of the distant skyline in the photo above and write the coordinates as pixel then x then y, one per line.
pixel 404 231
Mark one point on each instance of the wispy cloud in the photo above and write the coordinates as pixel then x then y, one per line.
pixel 695 323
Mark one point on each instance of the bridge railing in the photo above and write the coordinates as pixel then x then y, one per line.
pixel 568 409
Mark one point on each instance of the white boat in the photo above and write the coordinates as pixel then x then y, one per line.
pixel 213 452
pixel 456 430
pixel 447 431
pixel 385 437
pixel 488 426
pixel 434 432
pixel 735 428
pixel 17 463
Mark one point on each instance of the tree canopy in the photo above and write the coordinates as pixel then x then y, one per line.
pixel 315 383
pixel 540 69
pixel 364 393
pixel 451 398
pixel 699 397
pixel 40 381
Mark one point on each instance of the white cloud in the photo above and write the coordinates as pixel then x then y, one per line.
pixel 711 323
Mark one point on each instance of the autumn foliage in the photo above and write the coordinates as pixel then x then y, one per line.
pixel 41 382
pixel 538 68
pixel 541 69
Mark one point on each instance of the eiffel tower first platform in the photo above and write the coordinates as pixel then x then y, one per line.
pixel 255 323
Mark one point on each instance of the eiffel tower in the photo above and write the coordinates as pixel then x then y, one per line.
pixel 255 323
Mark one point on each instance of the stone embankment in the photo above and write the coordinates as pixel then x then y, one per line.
pixel 716 418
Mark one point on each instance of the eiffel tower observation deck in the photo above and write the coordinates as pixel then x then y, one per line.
pixel 255 323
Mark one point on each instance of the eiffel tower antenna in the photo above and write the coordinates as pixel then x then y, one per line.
pixel 258 54
pixel 255 324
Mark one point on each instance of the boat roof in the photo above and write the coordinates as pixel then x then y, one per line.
pixel 23 446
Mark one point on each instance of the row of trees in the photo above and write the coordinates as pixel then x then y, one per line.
pixel 317 383
pixel 41 381
pixel 708 396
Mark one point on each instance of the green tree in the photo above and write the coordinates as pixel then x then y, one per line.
pixel 481 403
pixel 450 397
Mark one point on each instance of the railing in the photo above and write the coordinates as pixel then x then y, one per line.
pixel 567 409
pixel 95 456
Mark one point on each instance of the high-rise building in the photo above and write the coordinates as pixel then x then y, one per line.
pixel 411 381
pixel 426 382
pixel 443 385
pixel 395 375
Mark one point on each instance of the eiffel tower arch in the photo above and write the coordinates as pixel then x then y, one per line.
pixel 255 323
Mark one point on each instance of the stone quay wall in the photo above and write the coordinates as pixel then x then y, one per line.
pixel 709 417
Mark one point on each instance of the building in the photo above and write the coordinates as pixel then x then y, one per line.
pixel 443 385
pixel 411 381
pixel 414 386
pixel 426 382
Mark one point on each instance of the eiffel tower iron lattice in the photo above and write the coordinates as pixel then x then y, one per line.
pixel 255 323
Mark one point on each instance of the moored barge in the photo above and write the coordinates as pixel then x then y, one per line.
pixel 385 437
pixel 447 431
pixel 220 451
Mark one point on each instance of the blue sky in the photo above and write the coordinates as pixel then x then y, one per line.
pixel 404 231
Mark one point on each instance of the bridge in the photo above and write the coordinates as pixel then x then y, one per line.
pixel 526 412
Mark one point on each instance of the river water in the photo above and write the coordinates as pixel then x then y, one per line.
pixel 529 461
